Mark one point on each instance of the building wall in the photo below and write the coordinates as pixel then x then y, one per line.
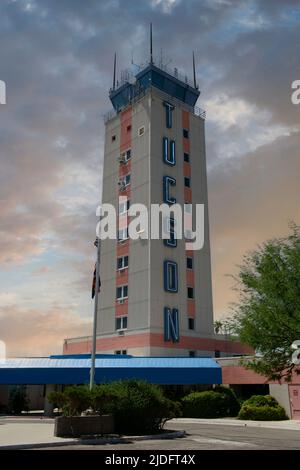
pixel 35 394
pixel 281 393
pixel 147 298
pixel 149 343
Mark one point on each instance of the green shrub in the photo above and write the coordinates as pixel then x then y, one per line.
pixel 73 400
pixel 138 406
pixel 57 399
pixel 262 408
pixel 18 400
pixel 262 413
pixel 210 404
pixel 174 410
pixel 103 397
pixel 233 402
pixel 262 400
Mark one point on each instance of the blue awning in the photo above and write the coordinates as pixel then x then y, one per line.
pixel 74 370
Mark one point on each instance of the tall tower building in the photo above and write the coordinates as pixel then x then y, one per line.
pixel 156 296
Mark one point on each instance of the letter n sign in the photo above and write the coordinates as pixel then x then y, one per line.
pixel 171 324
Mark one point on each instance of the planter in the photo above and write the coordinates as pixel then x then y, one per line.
pixel 76 426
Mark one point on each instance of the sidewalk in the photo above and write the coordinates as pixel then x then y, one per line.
pixel 22 431
pixel 291 425
pixel 26 432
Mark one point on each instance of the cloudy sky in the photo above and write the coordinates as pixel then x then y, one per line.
pixel 56 59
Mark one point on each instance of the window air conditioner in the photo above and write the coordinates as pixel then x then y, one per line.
pixel 122 158
pixel 122 185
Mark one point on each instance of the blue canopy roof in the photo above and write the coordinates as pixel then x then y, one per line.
pixel 74 370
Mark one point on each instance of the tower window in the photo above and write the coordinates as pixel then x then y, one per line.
pixel 186 157
pixel 113 138
pixel 125 181
pixel 124 206
pixel 190 292
pixel 121 323
pixel 141 131
pixel 189 262
pixel 169 108
pixel 191 323
pixel 128 129
pixel 122 292
pixel 185 133
pixel 187 182
pixel 125 156
pixel 122 262
pixel 123 234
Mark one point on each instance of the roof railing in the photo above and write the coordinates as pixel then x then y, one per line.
pixel 193 109
pixel 128 76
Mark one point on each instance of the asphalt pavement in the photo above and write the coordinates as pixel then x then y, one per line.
pixel 212 436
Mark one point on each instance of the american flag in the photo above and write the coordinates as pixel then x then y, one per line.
pixel 94 283
pixel 94 275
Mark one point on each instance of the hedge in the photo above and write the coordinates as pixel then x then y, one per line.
pixel 73 400
pixel 217 403
pixel 137 406
pixel 262 413
pixel 262 408
pixel 262 400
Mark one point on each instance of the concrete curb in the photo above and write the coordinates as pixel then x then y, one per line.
pixel 104 440
pixel 285 425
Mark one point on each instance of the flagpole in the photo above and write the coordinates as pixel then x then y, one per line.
pixel 94 340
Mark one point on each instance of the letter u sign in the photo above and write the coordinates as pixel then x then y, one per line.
pixel 169 155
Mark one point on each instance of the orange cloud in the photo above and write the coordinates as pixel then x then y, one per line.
pixel 39 333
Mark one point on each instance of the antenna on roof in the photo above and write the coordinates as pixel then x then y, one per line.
pixel 194 71
pixel 115 64
pixel 151 51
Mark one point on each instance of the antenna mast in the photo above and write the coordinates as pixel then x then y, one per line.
pixel 151 51
pixel 194 71
pixel 114 79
